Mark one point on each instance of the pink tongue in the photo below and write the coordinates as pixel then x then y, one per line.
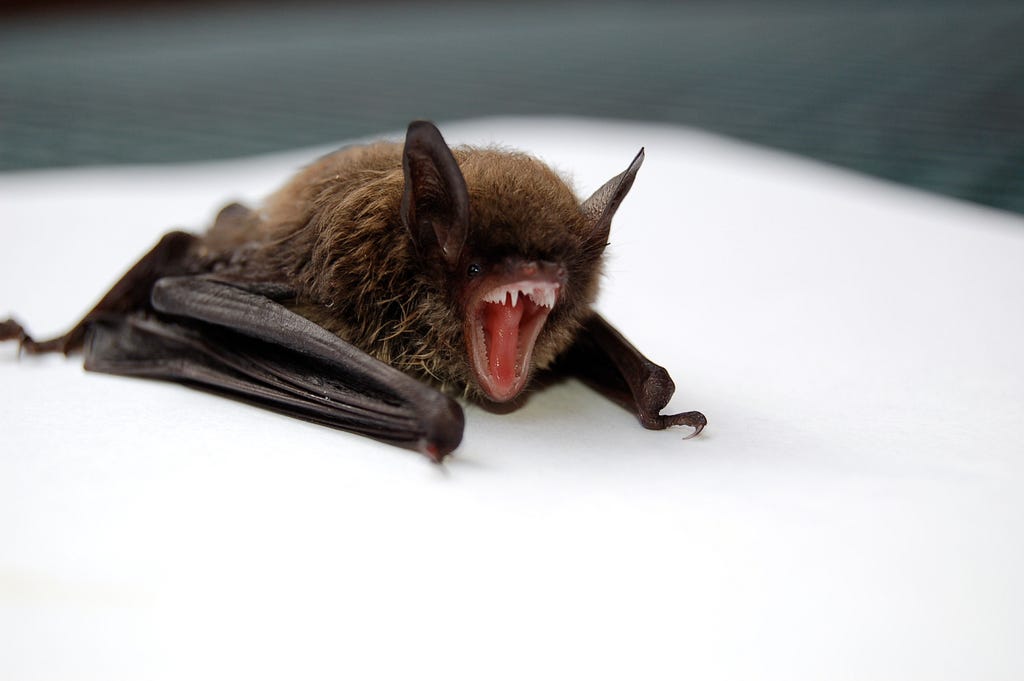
pixel 501 324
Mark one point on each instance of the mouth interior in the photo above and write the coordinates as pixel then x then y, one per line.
pixel 508 319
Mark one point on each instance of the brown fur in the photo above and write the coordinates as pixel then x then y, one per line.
pixel 335 234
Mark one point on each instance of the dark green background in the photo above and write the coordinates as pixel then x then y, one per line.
pixel 930 94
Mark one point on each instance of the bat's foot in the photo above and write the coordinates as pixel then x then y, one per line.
pixel 693 419
pixel 12 330
pixel 656 389
pixel 652 420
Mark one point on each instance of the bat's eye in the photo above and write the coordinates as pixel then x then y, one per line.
pixel 473 270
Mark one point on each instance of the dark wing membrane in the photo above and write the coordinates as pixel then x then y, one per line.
pixel 226 339
pixel 173 255
pixel 163 320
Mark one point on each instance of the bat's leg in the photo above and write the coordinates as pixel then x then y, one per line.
pixel 169 257
pixel 224 338
pixel 610 364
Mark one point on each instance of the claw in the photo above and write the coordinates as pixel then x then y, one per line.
pixel 12 330
pixel 693 419
pixel 432 452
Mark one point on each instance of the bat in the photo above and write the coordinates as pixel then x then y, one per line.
pixel 376 286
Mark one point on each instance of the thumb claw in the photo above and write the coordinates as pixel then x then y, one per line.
pixel 693 419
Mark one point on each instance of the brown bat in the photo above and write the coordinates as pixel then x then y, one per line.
pixel 377 283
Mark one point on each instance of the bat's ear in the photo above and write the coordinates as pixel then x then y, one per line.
pixel 601 206
pixel 435 203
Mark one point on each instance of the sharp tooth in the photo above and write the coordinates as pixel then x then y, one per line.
pixel 542 296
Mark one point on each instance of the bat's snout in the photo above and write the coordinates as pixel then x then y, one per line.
pixel 505 314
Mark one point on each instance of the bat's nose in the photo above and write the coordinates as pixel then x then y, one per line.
pixel 535 269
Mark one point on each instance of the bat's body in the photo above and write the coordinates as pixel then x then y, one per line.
pixel 374 272
pixel 336 234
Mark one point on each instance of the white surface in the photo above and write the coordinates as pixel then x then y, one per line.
pixel 853 510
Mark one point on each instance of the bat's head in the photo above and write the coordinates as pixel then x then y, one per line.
pixel 518 253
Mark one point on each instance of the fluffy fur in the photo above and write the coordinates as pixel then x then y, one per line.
pixel 335 234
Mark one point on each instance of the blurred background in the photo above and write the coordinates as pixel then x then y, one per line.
pixel 928 94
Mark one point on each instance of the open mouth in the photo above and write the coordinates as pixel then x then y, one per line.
pixel 502 326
